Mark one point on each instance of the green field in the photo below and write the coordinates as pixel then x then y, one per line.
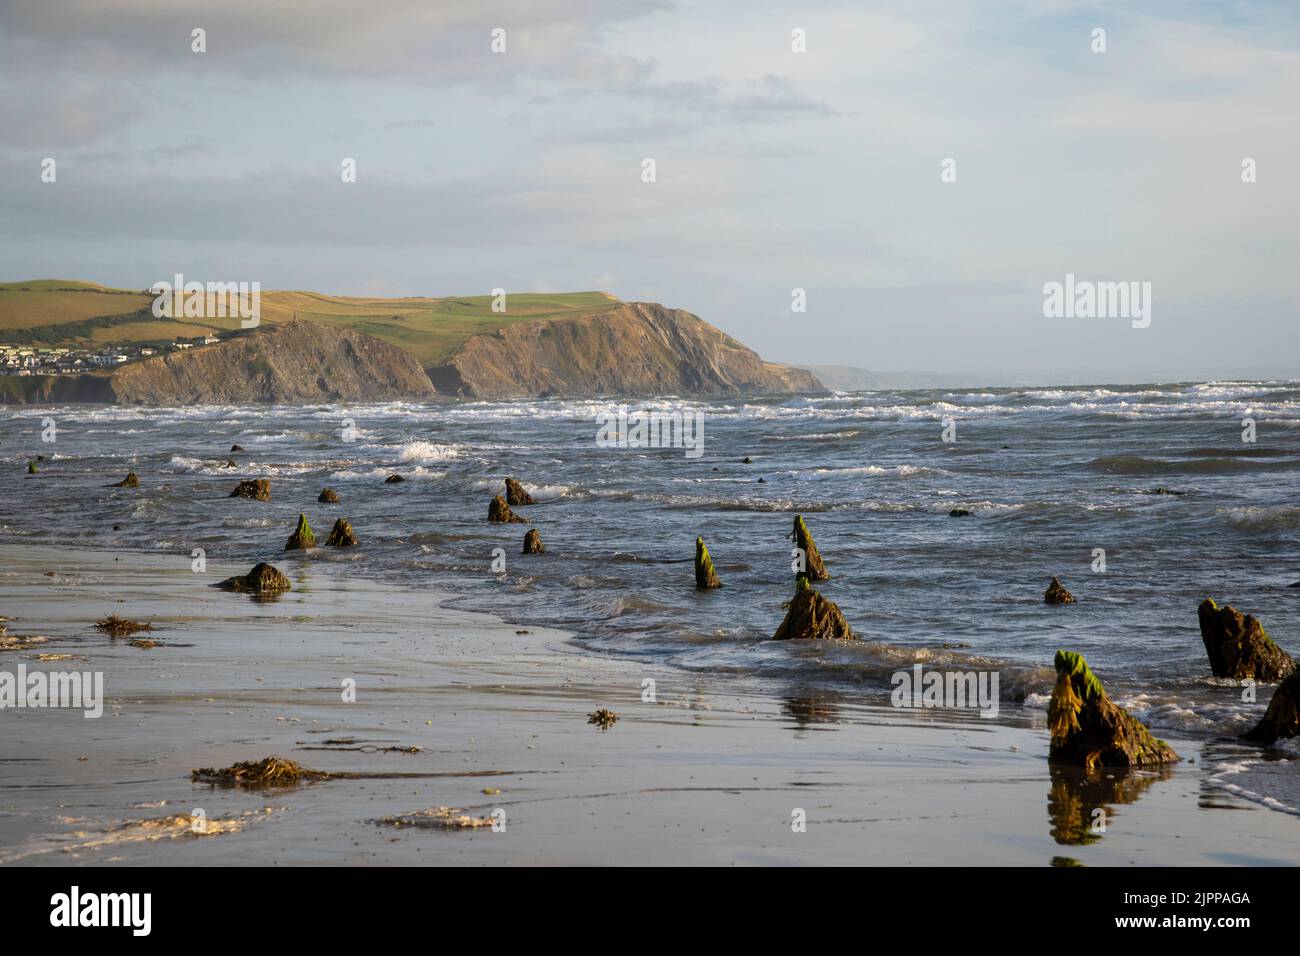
pixel 57 312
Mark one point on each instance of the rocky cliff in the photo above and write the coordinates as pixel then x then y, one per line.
pixel 633 349
pixel 290 362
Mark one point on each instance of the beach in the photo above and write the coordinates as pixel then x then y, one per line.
pixel 713 771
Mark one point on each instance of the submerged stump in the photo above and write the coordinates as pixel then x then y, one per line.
pixel 809 616
pixel 1238 645
pixel 803 540
pixel 705 576
pixel 263 579
pixel 1057 594
pixel 393 479
pixel 302 536
pixel 1282 719
pixel 1089 730
pixel 341 535
pixel 533 542
pixel 516 495
pixel 259 489
pixel 328 496
pixel 132 480
pixel 500 512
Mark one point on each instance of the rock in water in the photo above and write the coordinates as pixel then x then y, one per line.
pixel 236 447
pixel 1282 719
pixel 705 576
pixel 393 479
pixel 302 536
pixel 259 489
pixel 263 579
pixel 1057 594
pixel 1238 645
pixel 809 616
pixel 131 480
pixel 803 540
pixel 328 496
pixel 516 495
pixel 1089 730
pixel 533 542
pixel 341 535
pixel 499 511
pixel 959 513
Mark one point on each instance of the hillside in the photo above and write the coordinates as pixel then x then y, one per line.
pixel 57 312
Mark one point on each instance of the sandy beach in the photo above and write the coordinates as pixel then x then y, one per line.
pixel 711 772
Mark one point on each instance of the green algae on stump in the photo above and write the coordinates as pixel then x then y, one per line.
pixel 500 512
pixel 1282 719
pixel 302 536
pixel 1057 594
pixel 263 579
pixel 1090 730
pixel 341 535
pixel 516 495
pixel 258 489
pixel 1238 645
pixel 705 576
pixel 809 616
pixel 31 468
pixel 803 540
pixel 533 542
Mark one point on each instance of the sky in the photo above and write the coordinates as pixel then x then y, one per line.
pixel 775 170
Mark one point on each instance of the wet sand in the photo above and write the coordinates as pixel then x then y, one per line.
pixel 709 773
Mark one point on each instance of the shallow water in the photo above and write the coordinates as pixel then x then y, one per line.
pixel 1050 474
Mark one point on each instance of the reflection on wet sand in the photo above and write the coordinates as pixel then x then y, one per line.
pixel 808 710
pixel 1078 804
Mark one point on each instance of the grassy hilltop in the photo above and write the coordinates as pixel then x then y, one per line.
pixel 58 312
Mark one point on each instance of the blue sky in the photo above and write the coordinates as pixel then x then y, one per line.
pixel 775 169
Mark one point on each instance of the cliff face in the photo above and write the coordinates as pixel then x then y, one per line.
pixel 289 363
pixel 48 389
pixel 636 348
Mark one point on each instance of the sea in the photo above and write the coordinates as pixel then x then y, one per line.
pixel 1142 499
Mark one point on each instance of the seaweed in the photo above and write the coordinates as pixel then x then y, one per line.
pixel 115 626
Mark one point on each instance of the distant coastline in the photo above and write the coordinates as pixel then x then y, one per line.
pixel 64 341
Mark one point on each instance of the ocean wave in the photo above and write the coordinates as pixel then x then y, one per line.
pixel 424 452
pixel 1262 518
pixel 816 474
pixel 1138 465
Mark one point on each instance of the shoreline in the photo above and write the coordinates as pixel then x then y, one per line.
pixel 711 772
